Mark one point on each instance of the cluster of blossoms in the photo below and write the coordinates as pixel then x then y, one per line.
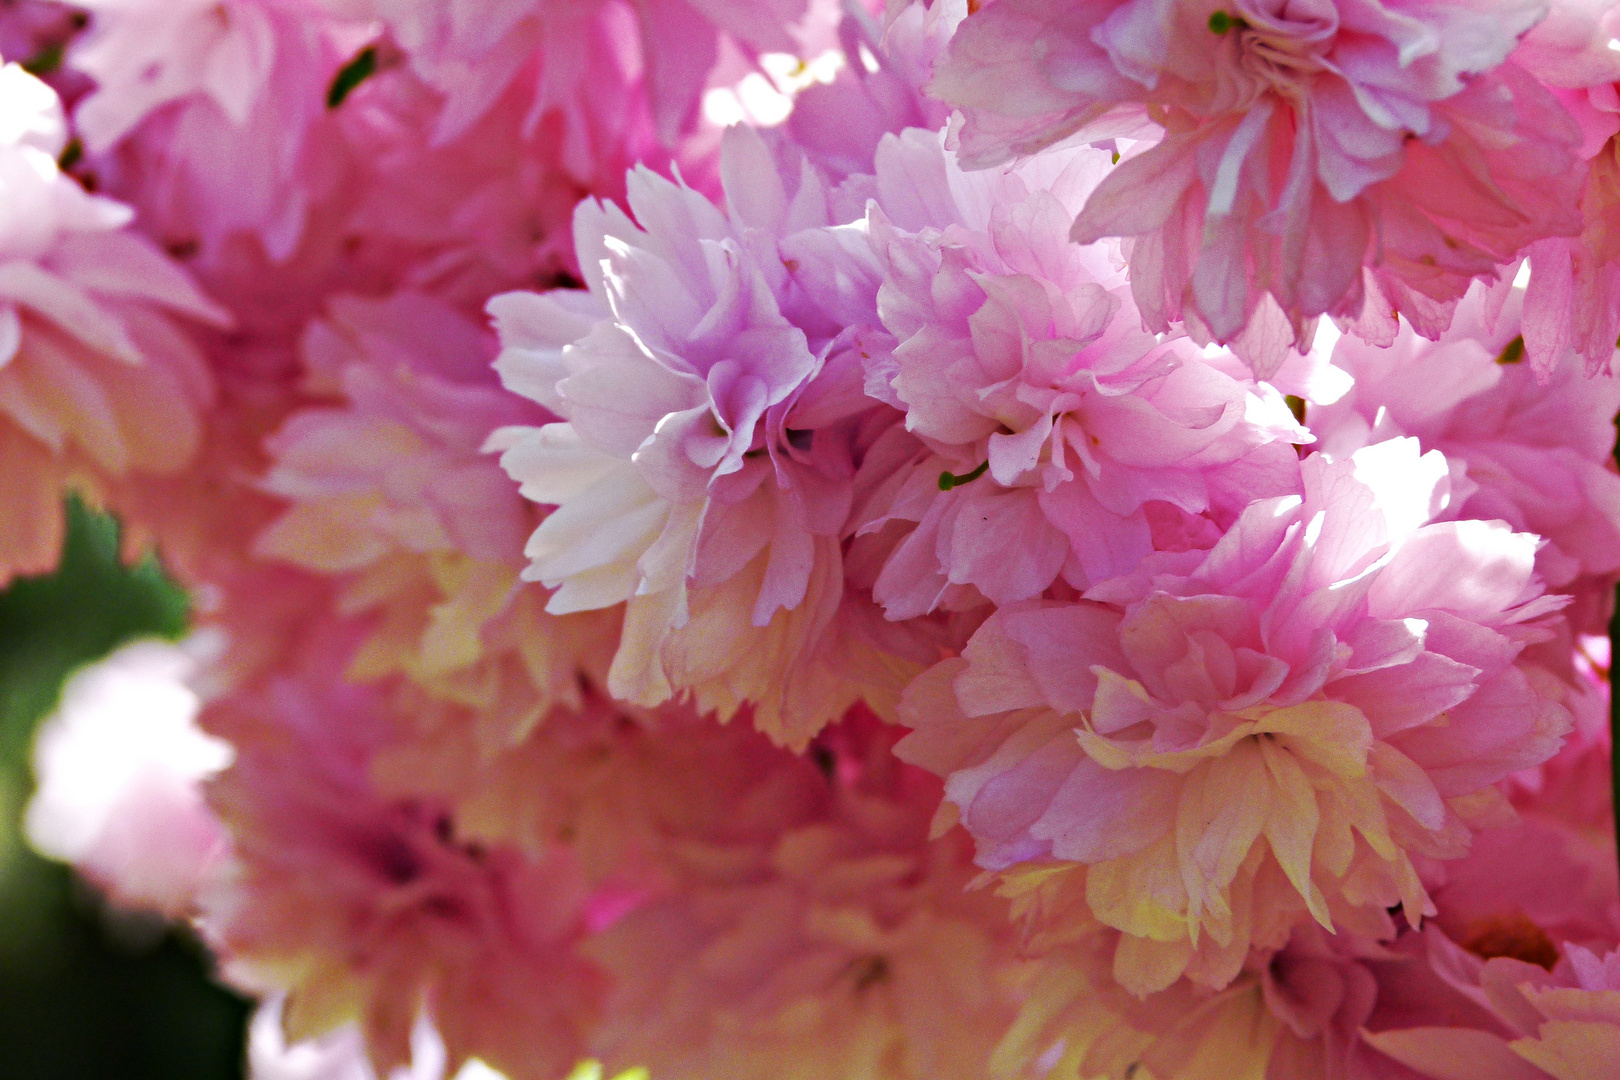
pixel 1030 539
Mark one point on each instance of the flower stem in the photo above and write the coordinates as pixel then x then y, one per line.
pixel 1614 715
pixel 1614 699
pixel 947 481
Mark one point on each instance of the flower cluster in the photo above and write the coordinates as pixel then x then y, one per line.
pixel 1035 539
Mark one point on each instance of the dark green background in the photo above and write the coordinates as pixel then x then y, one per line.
pixel 80 994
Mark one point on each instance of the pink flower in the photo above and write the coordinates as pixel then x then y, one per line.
pixel 813 928
pixel 1532 451
pixel 498 212
pixel 97 380
pixel 840 125
pixel 1512 958
pixel 711 386
pixel 1301 1009
pixel 1520 1021
pixel 399 460
pixel 1546 875
pixel 471 50
pixel 120 766
pixel 1304 1009
pixel 1019 357
pixel 1346 159
pixel 372 910
pixel 1571 314
pixel 210 113
pixel 1230 742
pixel 598 777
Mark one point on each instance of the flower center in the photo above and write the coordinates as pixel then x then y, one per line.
pixel 1511 935
pixel 1278 44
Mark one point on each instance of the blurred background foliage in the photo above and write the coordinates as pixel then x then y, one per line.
pixel 85 993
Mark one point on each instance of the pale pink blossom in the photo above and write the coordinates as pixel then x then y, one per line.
pixel 840 124
pixel 471 50
pixel 1535 452
pixel 1305 1009
pixel 711 385
pixel 210 115
pixel 119 767
pixel 1343 159
pixel 403 447
pixel 1227 743
pixel 1535 877
pixel 1245 735
pixel 1523 892
pixel 498 212
pixel 1042 409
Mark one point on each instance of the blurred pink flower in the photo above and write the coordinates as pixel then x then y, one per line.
pixel 814 928
pixel 119 768
pixel 371 910
pixel 471 50
pixel 210 114
pixel 96 378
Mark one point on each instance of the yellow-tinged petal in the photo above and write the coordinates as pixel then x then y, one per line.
pixel 323 535
pixel 1334 735
pixel 1292 824
pixel 1366 811
pixel 1567 1003
pixel 454 635
pixel 1124 755
pixel 1451 1053
pixel 324 1000
pixel 1573 1050
pixel 1223 810
pixel 1405 783
pixel 1141 894
pixel 1144 966
pixel 592 1070
pixel 1231 1037
pixel 1119 702
pixel 1105 753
